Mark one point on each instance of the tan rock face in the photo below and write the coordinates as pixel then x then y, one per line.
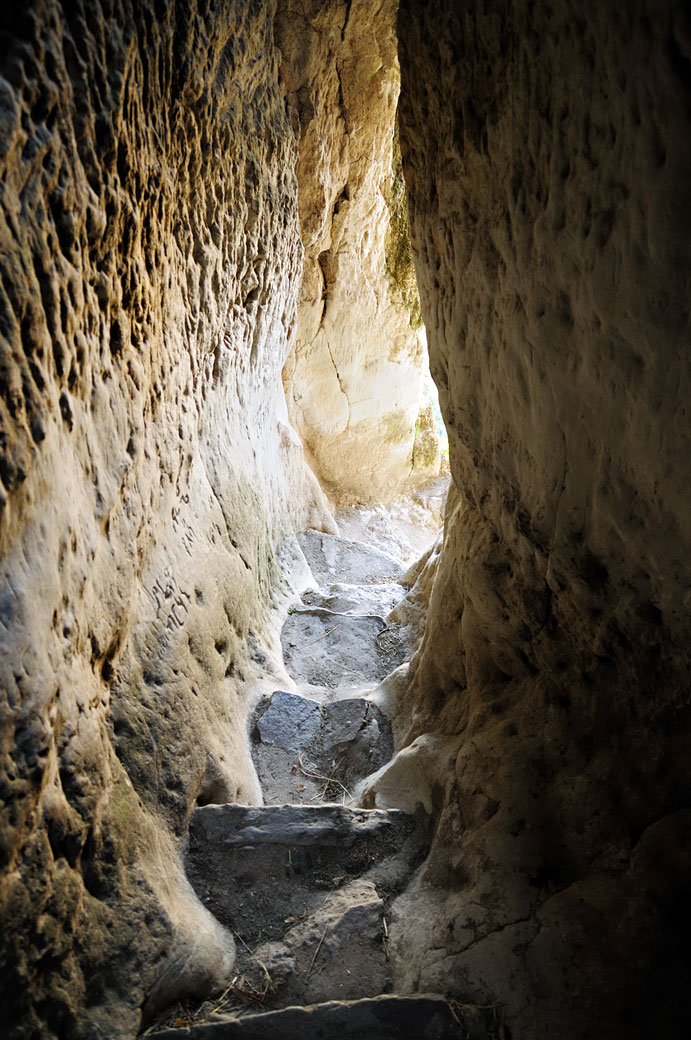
pixel 149 268
pixel 548 163
pixel 354 378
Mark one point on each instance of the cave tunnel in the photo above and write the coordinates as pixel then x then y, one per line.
pixel 209 325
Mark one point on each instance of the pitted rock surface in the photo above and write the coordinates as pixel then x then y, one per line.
pixel 151 484
pixel 149 268
pixel 547 166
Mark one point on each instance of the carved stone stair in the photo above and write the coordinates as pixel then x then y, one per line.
pixel 305 889
pixel 380 1018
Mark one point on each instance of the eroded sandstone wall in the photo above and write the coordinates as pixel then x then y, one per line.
pixel 354 378
pixel 150 264
pixel 547 151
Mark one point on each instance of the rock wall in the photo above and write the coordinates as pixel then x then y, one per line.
pixel 547 152
pixel 149 274
pixel 354 378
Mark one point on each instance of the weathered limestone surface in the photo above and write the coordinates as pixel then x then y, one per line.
pixel 149 272
pixel 354 378
pixel 547 151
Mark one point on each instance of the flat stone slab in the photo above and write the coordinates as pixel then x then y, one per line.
pixel 242 826
pixel 289 721
pixel 357 599
pixel 376 1018
pixel 329 557
pixel 305 751
pixel 333 650
pixel 259 869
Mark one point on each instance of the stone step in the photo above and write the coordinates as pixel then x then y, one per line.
pixel 392 1017
pixel 256 866
pixel 305 891
pixel 305 751
pixel 357 599
pixel 330 557
pixel 332 650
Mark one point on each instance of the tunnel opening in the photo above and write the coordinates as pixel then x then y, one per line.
pixel 356 379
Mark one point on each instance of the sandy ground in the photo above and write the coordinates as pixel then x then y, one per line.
pixel 405 528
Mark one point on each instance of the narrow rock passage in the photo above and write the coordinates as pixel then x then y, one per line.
pixel 305 881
